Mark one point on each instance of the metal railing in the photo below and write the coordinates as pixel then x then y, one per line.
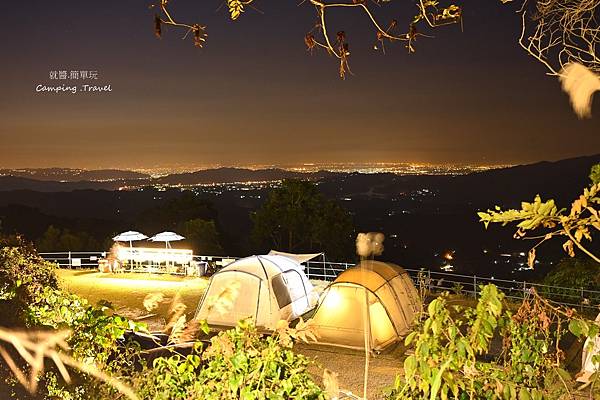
pixel 432 281
pixel 89 259
pixel 325 270
pixel 74 259
pixel 469 285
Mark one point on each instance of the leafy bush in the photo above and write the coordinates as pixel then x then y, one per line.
pixel 572 274
pixel 30 297
pixel 94 338
pixel 94 334
pixel 23 276
pixel 453 357
pixel 595 174
pixel 238 364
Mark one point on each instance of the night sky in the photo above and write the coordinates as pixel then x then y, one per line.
pixel 254 95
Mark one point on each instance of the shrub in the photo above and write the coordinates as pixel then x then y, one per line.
pixel 573 274
pixel 237 364
pixel 23 276
pixel 453 357
pixel 94 339
pixel 94 333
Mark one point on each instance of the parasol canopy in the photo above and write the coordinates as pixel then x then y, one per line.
pixel 129 236
pixel 166 237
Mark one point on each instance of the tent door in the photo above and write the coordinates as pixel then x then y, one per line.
pixel 247 303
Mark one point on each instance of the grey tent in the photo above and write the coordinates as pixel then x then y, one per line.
pixel 271 288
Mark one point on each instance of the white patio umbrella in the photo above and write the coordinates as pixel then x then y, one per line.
pixel 166 237
pixel 130 236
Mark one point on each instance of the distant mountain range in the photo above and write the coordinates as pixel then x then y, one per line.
pixel 115 179
pixel 72 174
pixel 471 188
pixel 421 215
pixel 232 175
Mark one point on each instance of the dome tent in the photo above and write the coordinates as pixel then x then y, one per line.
pixel 393 305
pixel 272 288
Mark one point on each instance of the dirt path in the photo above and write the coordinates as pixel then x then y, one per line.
pixel 349 365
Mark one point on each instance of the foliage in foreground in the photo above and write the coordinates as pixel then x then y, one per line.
pixel 23 276
pixel 453 351
pixel 576 225
pixel 94 333
pixel 59 325
pixel 237 364
pixel 67 330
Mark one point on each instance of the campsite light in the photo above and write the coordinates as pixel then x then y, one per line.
pixel 155 255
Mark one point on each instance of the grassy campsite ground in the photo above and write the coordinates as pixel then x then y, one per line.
pixel 126 293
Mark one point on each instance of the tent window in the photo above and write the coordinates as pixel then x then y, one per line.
pixel 281 291
pixel 295 285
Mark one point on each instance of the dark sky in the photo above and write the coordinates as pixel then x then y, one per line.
pixel 255 96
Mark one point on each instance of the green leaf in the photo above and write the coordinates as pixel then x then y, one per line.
pixel 575 327
pixel 437 380
pixel 234 382
pixel 409 339
pixel 563 374
pixel 433 307
pixel 410 365
pixel 524 394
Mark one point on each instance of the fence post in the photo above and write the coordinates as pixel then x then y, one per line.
pixel 475 286
pixel 70 262
pixel 524 288
pixel 429 289
pixel 581 301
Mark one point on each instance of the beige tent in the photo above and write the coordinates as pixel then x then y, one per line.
pixel 271 288
pixel 393 304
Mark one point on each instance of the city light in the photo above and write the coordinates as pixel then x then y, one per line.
pixel 154 255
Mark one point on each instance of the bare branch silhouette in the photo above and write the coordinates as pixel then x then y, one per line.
pixel 34 347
